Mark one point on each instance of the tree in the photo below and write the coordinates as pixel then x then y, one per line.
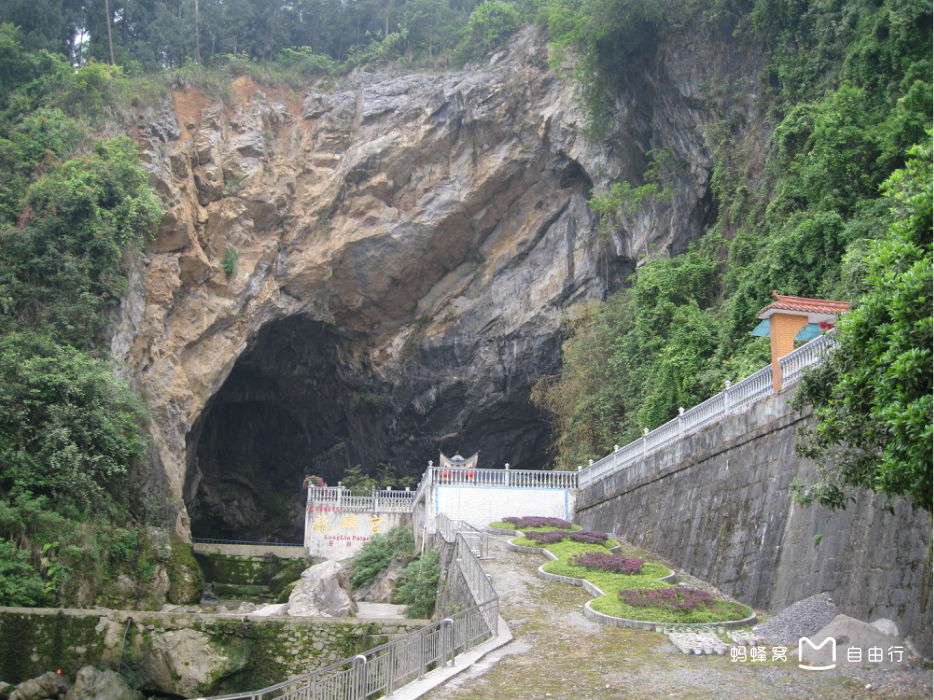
pixel 490 24
pixel 110 39
pixel 872 397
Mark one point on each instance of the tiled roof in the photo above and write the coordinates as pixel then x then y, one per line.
pixel 802 305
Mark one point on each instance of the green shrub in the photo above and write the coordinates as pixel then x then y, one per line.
pixel 230 262
pixel 376 554
pixel 489 25
pixel 418 587
pixel 304 61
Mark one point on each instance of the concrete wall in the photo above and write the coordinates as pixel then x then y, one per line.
pixel 717 504
pixel 183 654
pixel 338 533
pixel 250 550
pixel 481 505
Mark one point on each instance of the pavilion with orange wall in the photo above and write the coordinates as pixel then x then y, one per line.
pixel 788 319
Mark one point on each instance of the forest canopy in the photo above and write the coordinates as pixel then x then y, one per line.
pixel 157 34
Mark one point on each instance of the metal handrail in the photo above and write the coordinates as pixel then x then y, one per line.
pixel 386 668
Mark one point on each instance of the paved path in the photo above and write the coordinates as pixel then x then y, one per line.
pixel 380 611
pixel 559 653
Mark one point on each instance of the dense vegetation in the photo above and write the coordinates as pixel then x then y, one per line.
pixel 847 90
pixel 379 552
pixel 71 207
pixel 418 583
pixel 873 397
pixel 305 36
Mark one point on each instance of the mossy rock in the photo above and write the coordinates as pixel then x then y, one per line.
pixel 241 591
pixel 185 579
pixel 286 591
pixel 288 575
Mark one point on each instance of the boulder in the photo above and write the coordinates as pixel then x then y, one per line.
pixel 383 587
pixel 855 643
pixel 186 662
pixel 886 626
pixel 324 591
pixel 93 684
pixel 48 685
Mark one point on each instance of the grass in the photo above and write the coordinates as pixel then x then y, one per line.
pixel 649 577
pixel 720 611
pixel 610 582
pixel 556 547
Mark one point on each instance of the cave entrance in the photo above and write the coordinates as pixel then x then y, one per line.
pixel 291 406
pixel 304 399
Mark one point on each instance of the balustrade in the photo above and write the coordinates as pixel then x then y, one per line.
pixel 754 387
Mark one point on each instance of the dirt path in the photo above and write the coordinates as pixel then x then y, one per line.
pixel 559 653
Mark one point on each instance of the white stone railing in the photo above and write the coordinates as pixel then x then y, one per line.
pixel 347 500
pixel 515 478
pixel 733 398
pixel 810 354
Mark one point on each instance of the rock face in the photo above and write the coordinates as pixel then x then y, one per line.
pixel 48 685
pixel 324 591
pixel 92 684
pixel 374 272
pixel 383 587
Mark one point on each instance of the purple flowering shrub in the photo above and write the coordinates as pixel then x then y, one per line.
pixel 588 536
pixel 536 521
pixel 549 537
pixel 604 561
pixel 674 599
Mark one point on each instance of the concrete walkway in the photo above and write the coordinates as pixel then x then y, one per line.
pixel 559 653
pixel 463 662
pixel 380 611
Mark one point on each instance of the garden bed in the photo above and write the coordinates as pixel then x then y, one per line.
pixel 522 524
pixel 657 601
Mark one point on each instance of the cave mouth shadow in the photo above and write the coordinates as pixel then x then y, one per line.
pixel 303 399
pixel 292 405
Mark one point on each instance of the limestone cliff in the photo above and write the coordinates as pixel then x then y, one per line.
pixel 402 249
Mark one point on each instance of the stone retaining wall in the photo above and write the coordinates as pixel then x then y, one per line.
pixel 718 504
pixel 183 654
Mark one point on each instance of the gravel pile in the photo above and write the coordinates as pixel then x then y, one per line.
pixel 804 618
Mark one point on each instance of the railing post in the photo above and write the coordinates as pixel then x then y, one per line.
pixel 447 623
pixel 726 398
pixel 645 443
pixel 392 669
pixel 680 422
pixel 359 677
pixel 421 653
pixel 507 474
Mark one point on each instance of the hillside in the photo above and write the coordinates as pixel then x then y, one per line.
pixel 335 250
